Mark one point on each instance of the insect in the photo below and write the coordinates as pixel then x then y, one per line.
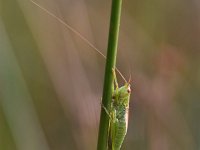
pixel 118 113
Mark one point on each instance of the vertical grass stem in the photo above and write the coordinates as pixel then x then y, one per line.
pixel 108 78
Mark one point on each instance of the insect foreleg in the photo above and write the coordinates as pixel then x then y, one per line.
pixel 115 78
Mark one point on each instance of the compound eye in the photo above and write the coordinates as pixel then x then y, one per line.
pixel 129 89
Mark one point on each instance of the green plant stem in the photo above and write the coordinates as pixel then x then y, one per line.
pixel 108 78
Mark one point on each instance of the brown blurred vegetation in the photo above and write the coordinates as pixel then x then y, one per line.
pixel 51 80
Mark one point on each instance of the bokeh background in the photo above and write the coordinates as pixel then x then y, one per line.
pixel 51 80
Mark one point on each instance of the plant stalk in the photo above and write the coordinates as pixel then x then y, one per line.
pixel 108 78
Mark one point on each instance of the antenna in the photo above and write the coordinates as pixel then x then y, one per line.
pixel 75 32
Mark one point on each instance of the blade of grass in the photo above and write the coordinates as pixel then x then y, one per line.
pixel 108 78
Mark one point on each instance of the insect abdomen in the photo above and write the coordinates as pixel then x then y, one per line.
pixel 120 126
pixel 120 134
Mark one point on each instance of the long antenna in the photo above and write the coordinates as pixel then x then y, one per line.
pixel 75 32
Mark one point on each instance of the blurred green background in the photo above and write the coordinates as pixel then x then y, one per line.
pixel 51 80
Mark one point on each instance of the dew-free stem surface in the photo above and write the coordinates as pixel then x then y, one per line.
pixel 108 78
